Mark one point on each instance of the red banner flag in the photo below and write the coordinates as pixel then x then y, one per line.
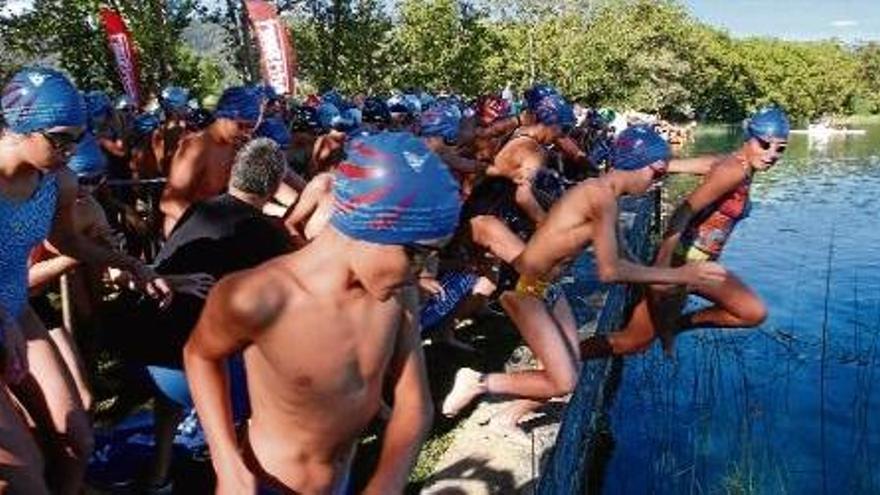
pixel 277 56
pixel 122 45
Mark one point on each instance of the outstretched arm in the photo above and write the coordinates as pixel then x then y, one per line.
pixel 68 241
pixel 700 165
pixel 612 269
pixel 413 410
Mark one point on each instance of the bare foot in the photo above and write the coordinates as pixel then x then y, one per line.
pixel 468 385
pixel 515 412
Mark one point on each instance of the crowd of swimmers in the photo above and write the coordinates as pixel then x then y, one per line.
pixel 282 275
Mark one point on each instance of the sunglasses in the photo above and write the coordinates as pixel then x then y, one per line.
pixel 766 145
pixel 62 140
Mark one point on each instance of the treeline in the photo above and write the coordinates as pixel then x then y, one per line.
pixel 645 55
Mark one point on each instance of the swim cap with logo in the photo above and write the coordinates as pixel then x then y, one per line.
pixel 768 122
pixel 37 99
pixel 391 189
pixel 441 120
pixel 554 110
pixel 174 98
pixel 639 146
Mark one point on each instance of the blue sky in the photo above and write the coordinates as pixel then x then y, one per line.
pixel 848 20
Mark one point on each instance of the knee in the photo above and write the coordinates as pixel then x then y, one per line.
pixel 508 301
pixel 564 380
pixel 756 315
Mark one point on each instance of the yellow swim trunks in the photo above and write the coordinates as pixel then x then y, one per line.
pixel 692 254
pixel 549 292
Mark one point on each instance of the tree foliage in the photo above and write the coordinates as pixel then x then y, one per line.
pixel 644 55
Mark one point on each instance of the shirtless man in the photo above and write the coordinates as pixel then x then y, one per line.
pixel 440 127
pixel 524 155
pixel 200 167
pixel 586 215
pixel 325 328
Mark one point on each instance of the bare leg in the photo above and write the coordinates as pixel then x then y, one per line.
pixel 492 234
pixel 656 314
pixel 553 339
pixel 735 306
pixel 21 464
pixel 50 397
pixel 63 340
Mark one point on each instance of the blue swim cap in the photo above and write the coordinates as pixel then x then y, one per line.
pixel 554 110
pixel 392 189
pixel 146 123
pixel 37 99
pixel 538 92
pixel 413 104
pixel 397 104
pixel 441 120
pixel 174 98
pixel 639 146
pixel 376 111
pixel 88 160
pixel 240 103
pixel 768 122
pixel 275 129
pixel 334 98
pixel 330 117
pixel 426 100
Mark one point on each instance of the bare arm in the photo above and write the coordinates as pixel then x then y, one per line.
pixel 307 204
pixel 413 410
pixel 700 165
pixel 235 311
pixel 48 270
pixel 183 178
pixel 456 162
pixel 64 237
pixel 612 269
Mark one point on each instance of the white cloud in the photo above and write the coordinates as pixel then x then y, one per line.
pixel 844 23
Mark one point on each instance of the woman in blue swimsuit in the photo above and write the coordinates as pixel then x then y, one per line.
pixel 43 120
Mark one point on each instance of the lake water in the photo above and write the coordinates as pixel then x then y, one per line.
pixel 793 406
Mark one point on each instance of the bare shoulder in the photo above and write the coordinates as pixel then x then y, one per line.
pixel 252 298
pixel 191 145
pixel 322 182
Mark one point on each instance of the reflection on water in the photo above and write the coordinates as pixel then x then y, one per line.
pixel 789 407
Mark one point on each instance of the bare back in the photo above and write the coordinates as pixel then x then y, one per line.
pixel 572 224
pixel 199 170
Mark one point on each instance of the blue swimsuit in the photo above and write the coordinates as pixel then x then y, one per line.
pixel 23 225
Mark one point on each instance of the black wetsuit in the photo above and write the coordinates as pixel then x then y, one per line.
pixel 216 236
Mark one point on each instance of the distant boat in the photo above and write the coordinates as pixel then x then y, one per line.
pixel 823 130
